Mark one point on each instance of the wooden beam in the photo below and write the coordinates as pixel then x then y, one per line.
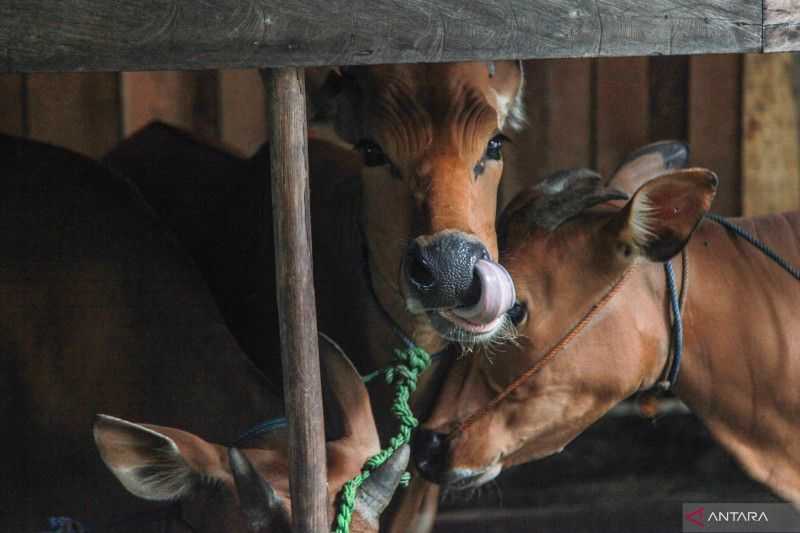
pixel 38 35
pixel 296 306
pixel 781 25
pixel 770 136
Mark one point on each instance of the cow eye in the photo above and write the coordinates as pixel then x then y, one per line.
pixel 494 150
pixel 517 313
pixel 372 153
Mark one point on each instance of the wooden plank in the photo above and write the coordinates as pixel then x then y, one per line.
pixel 669 78
pixel 525 157
pixel 296 305
pixel 622 108
pixel 193 34
pixel 569 139
pixel 781 25
pixel 714 115
pixel 770 152
pixel 79 111
pixel 558 135
pixel 12 104
pixel 187 100
pixel 242 121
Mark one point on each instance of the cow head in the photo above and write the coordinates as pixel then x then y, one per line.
pixel 569 242
pixel 431 140
pixel 247 489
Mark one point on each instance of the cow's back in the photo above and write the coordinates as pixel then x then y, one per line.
pixel 100 311
pixel 218 204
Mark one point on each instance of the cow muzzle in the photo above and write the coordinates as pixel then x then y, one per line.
pixel 431 456
pixel 451 277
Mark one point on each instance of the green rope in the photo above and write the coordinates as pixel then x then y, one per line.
pixel 409 364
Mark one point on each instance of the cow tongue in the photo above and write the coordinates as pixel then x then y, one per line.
pixel 497 294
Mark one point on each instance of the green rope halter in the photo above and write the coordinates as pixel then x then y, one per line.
pixel 409 364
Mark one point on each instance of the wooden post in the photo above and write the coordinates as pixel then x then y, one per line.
pixel 770 153
pixel 296 305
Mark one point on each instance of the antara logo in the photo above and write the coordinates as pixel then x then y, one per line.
pixel 696 517
pixel 737 516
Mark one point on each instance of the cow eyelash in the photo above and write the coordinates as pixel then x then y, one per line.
pixel 372 153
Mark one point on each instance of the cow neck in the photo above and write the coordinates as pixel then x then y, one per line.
pixel 549 355
pixel 739 379
pixel 405 338
pixel 676 298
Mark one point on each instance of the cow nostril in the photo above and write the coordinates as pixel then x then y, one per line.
pixel 419 272
pixel 429 449
pixel 473 294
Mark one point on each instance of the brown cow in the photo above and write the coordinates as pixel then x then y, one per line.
pixel 741 357
pixel 430 137
pixel 214 202
pixel 103 313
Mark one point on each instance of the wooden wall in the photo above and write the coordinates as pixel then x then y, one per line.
pixel 739 114
pixel 91 112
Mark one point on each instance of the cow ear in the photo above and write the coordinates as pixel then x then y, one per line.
pixel 348 412
pixel 548 204
pixel 261 506
pixel 507 80
pixel 157 463
pixel 344 90
pixel 649 162
pixel 323 86
pixel 661 216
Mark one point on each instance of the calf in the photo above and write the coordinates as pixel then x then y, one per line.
pixel 102 312
pixel 431 138
pixel 404 236
pixel 595 328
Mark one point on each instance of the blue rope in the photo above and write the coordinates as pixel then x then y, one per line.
pixel 766 250
pixel 674 297
pixel 677 327
pixel 64 524
pixel 262 428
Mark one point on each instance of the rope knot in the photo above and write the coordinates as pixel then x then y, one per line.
pixel 408 365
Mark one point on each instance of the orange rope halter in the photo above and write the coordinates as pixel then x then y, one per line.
pixel 574 332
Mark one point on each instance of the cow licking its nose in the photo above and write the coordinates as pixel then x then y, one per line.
pixel 452 278
pixel 441 270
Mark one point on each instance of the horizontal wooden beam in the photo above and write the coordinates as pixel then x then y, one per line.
pixel 781 25
pixel 78 35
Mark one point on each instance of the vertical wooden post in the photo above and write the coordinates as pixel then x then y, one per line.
pixel 296 305
pixel 770 133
